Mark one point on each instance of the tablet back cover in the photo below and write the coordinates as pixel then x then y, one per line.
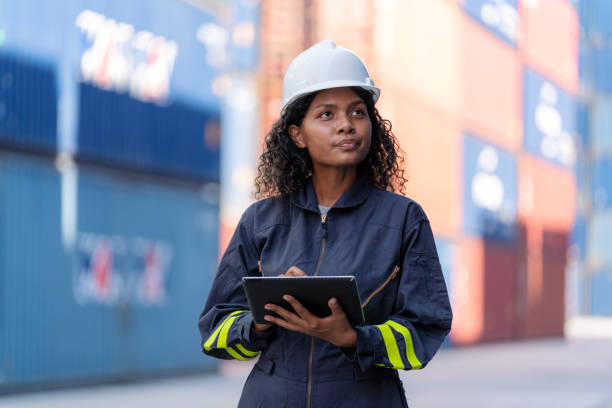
pixel 311 291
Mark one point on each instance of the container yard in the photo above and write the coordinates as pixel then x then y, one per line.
pixel 129 141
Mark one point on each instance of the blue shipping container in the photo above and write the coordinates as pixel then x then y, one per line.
pixel 102 277
pixel 501 17
pixel 601 183
pixel 600 261
pixel 128 114
pixel 549 118
pixel 582 126
pixel 177 139
pixel 601 292
pixel 598 249
pixel 602 66
pixel 28 104
pixel 489 190
pixel 130 67
pixel 446 254
pixel 245 26
pixel 581 168
pixel 577 238
pixel 598 24
pixel 596 15
pixel 142 38
pixel 595 61
pixel 576 276
pixel 601 126
pixel 585 62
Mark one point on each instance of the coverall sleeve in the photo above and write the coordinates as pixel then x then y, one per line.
pixel 422 315
pixel 225 323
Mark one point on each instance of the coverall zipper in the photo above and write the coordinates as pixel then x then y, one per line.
pixel 323 243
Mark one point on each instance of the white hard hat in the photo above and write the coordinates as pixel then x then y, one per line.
pixel 322 66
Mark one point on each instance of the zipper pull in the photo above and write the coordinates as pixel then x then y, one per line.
pixel 324 223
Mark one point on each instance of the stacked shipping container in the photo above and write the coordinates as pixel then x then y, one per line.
pixel 240 116
pixel 594 274
pixel 503 281
pixel 114 298
pixel 481 97
pixel 109 128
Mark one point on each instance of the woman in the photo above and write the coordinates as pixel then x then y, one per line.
pixel 326 171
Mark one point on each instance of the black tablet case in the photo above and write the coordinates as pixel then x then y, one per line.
pixel 312 291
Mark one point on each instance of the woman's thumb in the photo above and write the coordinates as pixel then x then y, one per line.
pixel 335 306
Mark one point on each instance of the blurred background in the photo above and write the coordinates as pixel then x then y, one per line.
pixel 129 137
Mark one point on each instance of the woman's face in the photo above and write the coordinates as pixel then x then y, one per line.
pixel 336 129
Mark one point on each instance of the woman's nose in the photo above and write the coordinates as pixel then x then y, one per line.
pixel 345 125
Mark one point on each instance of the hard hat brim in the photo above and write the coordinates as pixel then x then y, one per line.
pixel 329 85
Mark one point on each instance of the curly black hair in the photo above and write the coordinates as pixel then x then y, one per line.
pixel 284 167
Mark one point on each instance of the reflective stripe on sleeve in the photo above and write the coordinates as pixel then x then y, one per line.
pixel 410 354
pixel 391 346
pixel 222 342
pixel 222 339
pixel 246 352
pixel 236 355
pixel 213 336
pixel 220 334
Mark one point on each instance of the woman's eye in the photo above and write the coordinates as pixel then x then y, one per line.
pixel 358 112
pixel 325 114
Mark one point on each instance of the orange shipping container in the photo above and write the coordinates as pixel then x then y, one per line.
pixel 547 206
pixel 431 142
pixel 484 292
pixel 417 48
pixel 347 22
pixel 549 39
pixel 490 79
pixel 547 194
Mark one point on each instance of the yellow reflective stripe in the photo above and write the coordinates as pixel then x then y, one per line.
pixel 246 352
pixel 211 339
pixel 391 346
pixel 410 354
pixel 222 340
pixel 237 356
pixel 220 334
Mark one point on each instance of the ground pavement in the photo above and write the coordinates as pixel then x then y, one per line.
pixel 572 373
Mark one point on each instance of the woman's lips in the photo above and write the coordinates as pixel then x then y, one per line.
pixel 348 144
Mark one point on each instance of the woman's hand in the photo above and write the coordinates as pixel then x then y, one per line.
pixel 293 271
pixel 261 327
pixel 335 329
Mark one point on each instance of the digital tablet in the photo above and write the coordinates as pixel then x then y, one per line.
pixel 311 291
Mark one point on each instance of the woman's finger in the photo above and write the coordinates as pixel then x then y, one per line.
pixel 282 312
pixel 294 271
pixel 282 323
pixel 298 307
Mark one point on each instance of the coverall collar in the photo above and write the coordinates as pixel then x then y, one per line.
pixel 306 198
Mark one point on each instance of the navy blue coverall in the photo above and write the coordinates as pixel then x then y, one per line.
pixel 382 238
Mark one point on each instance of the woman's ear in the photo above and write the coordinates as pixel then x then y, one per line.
pixel 296 135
